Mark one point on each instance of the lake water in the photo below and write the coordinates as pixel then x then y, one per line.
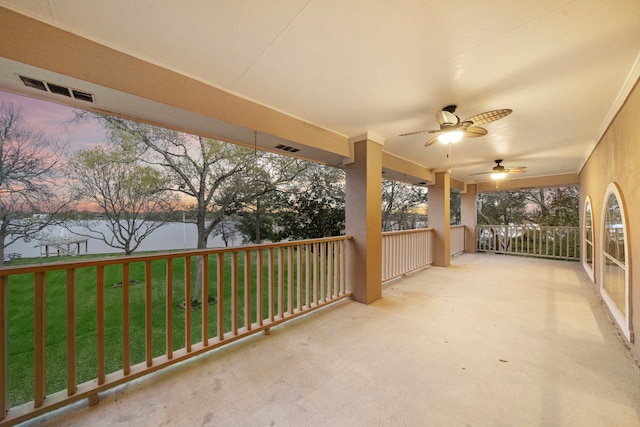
pixel 174 235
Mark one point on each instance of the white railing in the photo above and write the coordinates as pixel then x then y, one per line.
pixel 87 326
pixel 457 239
pixel 530 240
pixel 405 251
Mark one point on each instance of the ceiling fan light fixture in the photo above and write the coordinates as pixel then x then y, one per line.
pixel 498 175
pixel 451 137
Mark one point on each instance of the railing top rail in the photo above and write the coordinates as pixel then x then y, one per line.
pixel 529 226
pixel 114 260
pixel 413 230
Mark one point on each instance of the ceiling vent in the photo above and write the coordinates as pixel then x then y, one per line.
pixel 287 148
pixel 36 84
pixel 82 96
pixel 60 90
pixel 56 89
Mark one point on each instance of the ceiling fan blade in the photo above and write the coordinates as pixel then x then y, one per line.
pixel 431 141
pixel 419 131
pixel 499 169
pixel 517 169
pixel 474 131
pixel 488 116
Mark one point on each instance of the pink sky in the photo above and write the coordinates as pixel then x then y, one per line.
pixel 52 119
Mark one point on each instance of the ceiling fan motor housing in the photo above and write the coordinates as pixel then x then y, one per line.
pixel 446 118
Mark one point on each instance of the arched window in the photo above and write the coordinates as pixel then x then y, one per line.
pixel 614 285
pixel 587 259
pixel 587 232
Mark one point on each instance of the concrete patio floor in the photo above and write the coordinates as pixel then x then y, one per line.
pixel 492 340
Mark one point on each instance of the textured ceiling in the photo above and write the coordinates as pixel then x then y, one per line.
pixel 387 67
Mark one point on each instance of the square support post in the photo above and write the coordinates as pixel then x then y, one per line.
pixel 364 219
pixel 469 216
pixel 439 218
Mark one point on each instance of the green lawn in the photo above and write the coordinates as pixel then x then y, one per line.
pixel 21 315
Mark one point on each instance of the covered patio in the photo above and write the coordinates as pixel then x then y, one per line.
pixel 491 340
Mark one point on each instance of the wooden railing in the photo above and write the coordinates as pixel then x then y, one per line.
pixel 115 319
pixel 530 240
pixel 405 251
pixel 457 239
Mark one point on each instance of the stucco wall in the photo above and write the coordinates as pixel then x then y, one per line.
pixel 617 159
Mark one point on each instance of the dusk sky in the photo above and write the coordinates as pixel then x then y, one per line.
pixel 52 119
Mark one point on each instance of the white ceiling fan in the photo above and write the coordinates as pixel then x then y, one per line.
pixel 452 129
pixel 499 171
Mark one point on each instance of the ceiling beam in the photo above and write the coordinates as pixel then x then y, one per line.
pixel 400 169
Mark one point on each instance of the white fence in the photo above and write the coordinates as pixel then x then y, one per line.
pixel 457 239
pixel 406 251
pixel 530 240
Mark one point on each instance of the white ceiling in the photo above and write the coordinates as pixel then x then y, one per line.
pixel 387 67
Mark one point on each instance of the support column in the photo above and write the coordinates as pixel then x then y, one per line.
pixel 363 202
pixel 469 216
pixel 439 218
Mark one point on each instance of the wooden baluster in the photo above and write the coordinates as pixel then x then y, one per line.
pixel 220 296
pixel 271 284
pixel 40 337
pixel 100 322
pixel 259 288
pixel 323 272
pixel 247 290
pixel 205 300
pixel 316 286
pixel 299 285
pixel 126 356
pixel 329 270
pixel 234 293
pixel 169 308
pixel 71 332
pixel 148 310
pixel 187 303
pixel 307 281
pixel 281 282
pixel 290 284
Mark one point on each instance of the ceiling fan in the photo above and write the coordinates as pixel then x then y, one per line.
pixel 452 129
pixel 499 171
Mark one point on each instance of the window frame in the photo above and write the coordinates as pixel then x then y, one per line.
pixel 623 320
pixel 589 268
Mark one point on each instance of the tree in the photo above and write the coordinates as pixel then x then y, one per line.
pixel 227 229
pixel 555 206
pixel 455 208
pixel 543 206
pixel 124 191
pixel 401 205
pixel 29 200
pixel 220 178
pixel 313 206
pixel 256 223
pixel 507 207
